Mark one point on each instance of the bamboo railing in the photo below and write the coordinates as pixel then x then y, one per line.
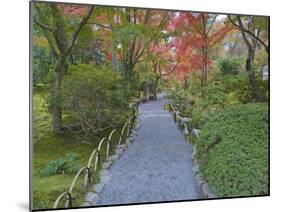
pixel 95 159
pixel 177 118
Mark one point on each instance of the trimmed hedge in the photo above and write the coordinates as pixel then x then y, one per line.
pixel 232 151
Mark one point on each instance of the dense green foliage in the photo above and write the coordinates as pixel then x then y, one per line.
pixel 179 97
pixel 42 63
pixel 87 55
pixel 229 65
pixel 232 151
pixel 221 91
pixel 94 98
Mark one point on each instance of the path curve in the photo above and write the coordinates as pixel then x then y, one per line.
pixel 157 166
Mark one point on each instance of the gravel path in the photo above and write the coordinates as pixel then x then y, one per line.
pixel 156 167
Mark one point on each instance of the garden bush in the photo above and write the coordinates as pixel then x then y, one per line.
pixel 178 94
pixel 42 64
pixel 94 98
pixel 232 150
pixel 221 92
pixel 229 65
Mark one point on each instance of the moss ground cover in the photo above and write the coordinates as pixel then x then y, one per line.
pixel 54 148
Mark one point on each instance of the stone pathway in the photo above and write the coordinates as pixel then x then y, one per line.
pixel 157 166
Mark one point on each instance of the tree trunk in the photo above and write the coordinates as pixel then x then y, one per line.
pixel 58 41
pixel 114 58
pixel 155 93
pixel 250 60
pixel 185 84
pixel 204 53
pixel 206 64
pixel 186 102
pixel 128 70
pixel 98 112
pixel 203 75
pixel 249 68
pixel 155 88
pixel 146 92
pixel 56 100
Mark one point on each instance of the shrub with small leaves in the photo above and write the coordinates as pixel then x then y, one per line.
pixel 94 98
pixel 232 150
pixel 229 65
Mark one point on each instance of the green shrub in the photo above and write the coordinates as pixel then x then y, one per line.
pixel 64 164
pixel 229 65
pixel 217 96
pixel 191 138
pixel 222 92
pixel 179 96
pixel 232 150
pixel 94 98
pixel 42 64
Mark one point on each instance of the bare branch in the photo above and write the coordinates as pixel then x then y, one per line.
pixel 146 17
pixel 101 25
pixel 212 23
pixel 43 26
pixel 139 61
pixel 82 23
pixel 172 70
pixel 140 54
pixel 46 28
pixel 242 28
pixel 109 20
pixel 164 20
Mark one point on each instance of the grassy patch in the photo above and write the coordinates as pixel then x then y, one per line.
pixel 47 189
pixel 52 147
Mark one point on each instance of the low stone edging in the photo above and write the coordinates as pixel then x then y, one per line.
pixel 203 185
pixel 200 181
pixel 92 197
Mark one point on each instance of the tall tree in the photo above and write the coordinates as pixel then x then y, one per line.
pixel 50 18
pixel 252 30
pixel 164 62
pixel 132 31
pixel 197 35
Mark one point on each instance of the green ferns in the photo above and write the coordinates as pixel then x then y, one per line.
pixel 66 164
pixel 232 151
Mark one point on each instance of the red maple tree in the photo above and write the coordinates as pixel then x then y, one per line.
pixel 194 35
